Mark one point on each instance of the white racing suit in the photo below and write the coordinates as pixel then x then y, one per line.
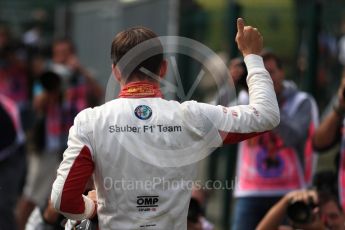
pixel 141 151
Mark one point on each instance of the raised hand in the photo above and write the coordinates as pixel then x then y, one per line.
pixel 249 39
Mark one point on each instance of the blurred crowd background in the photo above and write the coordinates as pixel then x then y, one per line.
pixel 55 61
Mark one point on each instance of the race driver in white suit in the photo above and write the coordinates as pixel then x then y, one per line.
pixel 141 149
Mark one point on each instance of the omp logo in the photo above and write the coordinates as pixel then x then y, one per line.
pixel 147 201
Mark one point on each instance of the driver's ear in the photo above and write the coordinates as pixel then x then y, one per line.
pixel 116 72
pixel 163 69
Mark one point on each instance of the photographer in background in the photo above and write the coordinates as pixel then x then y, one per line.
pixel 279 161
pixel 305 209
pixel 276 215
pixel 330 133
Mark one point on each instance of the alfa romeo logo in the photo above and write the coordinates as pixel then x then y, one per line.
pixel 143 112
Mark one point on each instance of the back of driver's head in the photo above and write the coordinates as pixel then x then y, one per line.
pixel 128 39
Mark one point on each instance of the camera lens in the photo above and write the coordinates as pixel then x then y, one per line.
pixel 300 212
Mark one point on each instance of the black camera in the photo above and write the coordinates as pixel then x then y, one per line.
pixel 300 212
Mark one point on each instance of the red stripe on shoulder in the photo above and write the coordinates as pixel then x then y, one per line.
pixel 77 178
pixel 233 138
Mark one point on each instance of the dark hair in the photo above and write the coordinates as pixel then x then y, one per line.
pixel 128 39
pixel 267 55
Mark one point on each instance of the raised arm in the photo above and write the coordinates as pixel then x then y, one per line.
pixel 275 216
pixel 329 129
pixel 241 122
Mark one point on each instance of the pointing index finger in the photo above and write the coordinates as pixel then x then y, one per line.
pixel 240 26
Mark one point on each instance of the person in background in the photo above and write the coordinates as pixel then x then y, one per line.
pixel 238 75
pixel 14 80
pixel 325 210
pixel 331 132
pixel 62 89
pixel 12 161
pixel 278 161
pixel 82 89
pixel 47 141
